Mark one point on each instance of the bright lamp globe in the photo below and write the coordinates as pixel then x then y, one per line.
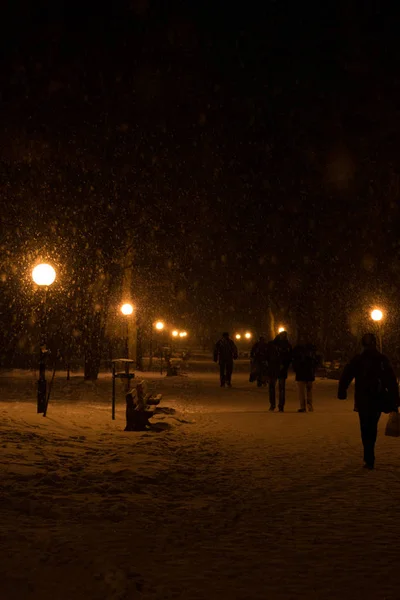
pixel 376 315
pixel 43 274
pixel 127 309
pixel 159 325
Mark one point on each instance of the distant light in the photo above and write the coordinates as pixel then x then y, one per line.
pixel 238 336
pixel 159 325
pixel 43 274
pixel 281 329
pixel 376 315
pixel 247 335
pixel 127 309
pixel 175 333
pixel 183 334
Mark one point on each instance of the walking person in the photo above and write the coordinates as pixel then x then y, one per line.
pixel 259 357
pixel 305 362
pixel 279 357
pixel 225 352
pixel 376 391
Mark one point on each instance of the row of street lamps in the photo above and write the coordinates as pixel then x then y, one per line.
pixel 376 315
pixel 127 309
pixel 160 326
pixel 249 335
pixel 44 276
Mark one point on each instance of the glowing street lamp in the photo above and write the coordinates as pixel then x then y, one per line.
pixel 127 309
pixel 238 336
pixel 247 335
pixel 377 316
pixel 43 275
pixel 183 334
pixel 281 329
pixel 159 325
pixel 175 333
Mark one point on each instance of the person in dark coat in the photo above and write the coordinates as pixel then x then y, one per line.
pixel 279 357
pixel 225 352
pixel 305 362
pixel 259 357
pixel 376 391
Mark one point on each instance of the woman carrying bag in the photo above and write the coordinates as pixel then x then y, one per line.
pixel 376 391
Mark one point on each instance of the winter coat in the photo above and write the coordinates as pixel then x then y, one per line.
pixel 373 375
pixel 279 357
pixel 225 351
pixel 305 362
pixel 259 352
pixel 259 357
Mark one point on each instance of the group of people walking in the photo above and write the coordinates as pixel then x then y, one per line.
pixel 376 386
pixel 270 362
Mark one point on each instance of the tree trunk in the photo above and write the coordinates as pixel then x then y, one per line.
pixel 139 347
pixel 92 365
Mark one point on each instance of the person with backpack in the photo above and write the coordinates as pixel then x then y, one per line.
pixel 376 391
pixel 305 362
pixel 225 352
pixel 279 357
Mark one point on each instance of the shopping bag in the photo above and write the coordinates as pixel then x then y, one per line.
pixel 393 425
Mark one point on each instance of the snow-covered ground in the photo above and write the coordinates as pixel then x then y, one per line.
pixel 229 501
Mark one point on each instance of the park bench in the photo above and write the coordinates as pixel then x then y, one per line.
pixel 140 407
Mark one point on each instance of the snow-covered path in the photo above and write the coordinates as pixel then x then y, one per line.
pixel 229 502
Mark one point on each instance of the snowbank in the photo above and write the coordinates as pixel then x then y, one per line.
pixel 230 501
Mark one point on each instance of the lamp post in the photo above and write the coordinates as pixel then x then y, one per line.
pixel 377 316
pixel 159 327
pixel 43 275
pixel 127 310
pixel 174 334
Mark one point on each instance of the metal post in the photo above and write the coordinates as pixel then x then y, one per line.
pixel 139 348
pixel 127 380
pixel 127 339
pixel 42 385
pixel 113 393
pixel 151 351
pixel 380 336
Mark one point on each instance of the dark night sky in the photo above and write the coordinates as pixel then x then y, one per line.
pixel 259 144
